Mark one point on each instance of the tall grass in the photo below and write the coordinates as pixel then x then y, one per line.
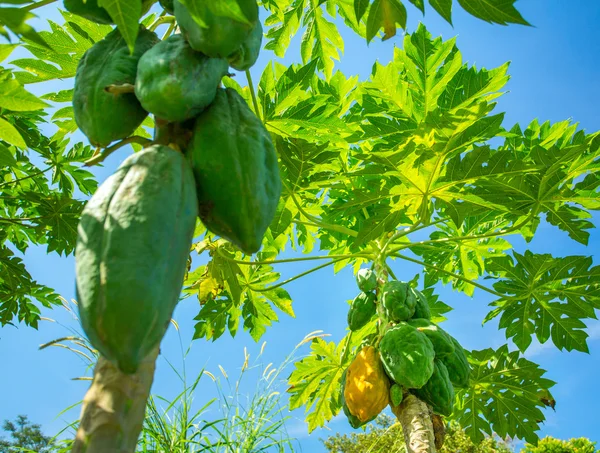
pixel 231 422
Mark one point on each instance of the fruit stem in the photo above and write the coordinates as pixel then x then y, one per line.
pixel 126 88
pixel 98 158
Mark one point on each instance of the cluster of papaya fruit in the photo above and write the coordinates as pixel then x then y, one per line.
pixel 212 158
pixel 411 355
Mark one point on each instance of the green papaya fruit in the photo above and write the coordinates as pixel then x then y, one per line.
pixel 398 300
pixel 396 395
pixel 458 366
pixel 174 82
pixel 442 341
pixel 438 391
pixel 247 54
pixel 407 356
pixel 221 36
pixel 236 170
pixel 422 310
pixel 133 242
pixel 361 311
pixel 90 10
pixel 102 116
pixel 366 280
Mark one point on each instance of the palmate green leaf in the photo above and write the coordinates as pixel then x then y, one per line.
pixel 321 41
pixel 315 382
pixel 500 12
pixel 228 290
pixel 66 45
pixel 6 50
pixel 547 297
pixel 284 22
pixel 503 396
pixel 18 290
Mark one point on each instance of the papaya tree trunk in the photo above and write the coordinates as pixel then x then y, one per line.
pixel 114 407
pixel 415 418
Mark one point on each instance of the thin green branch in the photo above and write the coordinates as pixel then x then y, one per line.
pixel 162 19
pixel 99 157
pixel 253 94
pixel 289 280
pixel 452 274
pixel 291 260
pixel 33 175
pixel 473 237
pixel 169 30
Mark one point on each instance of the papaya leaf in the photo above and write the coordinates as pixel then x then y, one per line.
pixel 126 14
pixel 503 397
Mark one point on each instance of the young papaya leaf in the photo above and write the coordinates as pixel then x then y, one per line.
pixel 11 135
pixel 16 98
pixel 443 8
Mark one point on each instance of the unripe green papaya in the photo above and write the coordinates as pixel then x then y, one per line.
pixel 396 395
pixel 361 311
pixel 366 280
pixel 438 391
pixel 102 116
pixel 236 170
pixel 458 366
pixel 133 243
pixel 174 82
pixel 399 300
pixel 247 54
pixel 222 35
pixel 442 341
pixel 422 310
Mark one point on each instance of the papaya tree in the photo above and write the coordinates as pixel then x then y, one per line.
pixel 412 165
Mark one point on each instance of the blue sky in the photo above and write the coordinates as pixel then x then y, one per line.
pixel 554 69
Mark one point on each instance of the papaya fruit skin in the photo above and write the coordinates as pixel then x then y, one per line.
pixel 134 239
pixel 441 340
pixel 222 35
pixel 422 310
pixel 247 54
pixel 105 117
pixel 361 311
pixel 366 280
pixel 89 10
pixel 399 300
pixel 438 391
pixel 352 419
pixel 458 366
pixel 407 356
pixel 367 387
pixel 174 82
pixel 236 170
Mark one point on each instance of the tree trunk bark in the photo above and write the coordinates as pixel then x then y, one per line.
pixel 415 418
pixel 114 407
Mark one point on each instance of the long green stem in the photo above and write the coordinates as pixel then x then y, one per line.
pixel 503 232
pixel 452 274
pixel 108 151
pixel 291 260
pixel 289 280
pixel 253 94
pixel 162 19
